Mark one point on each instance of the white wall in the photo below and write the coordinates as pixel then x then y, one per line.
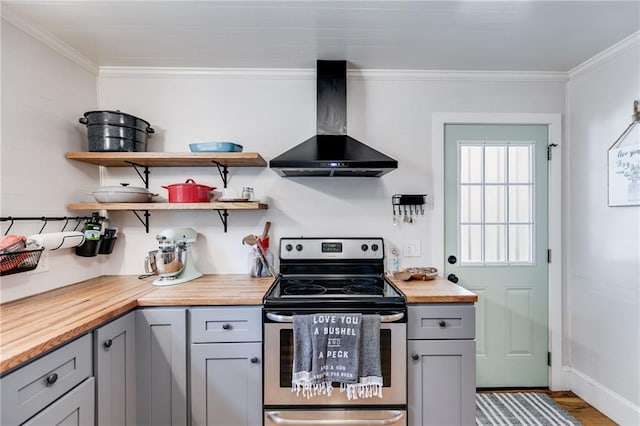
pixel 270 114
pixel 603 245
pixel 43 95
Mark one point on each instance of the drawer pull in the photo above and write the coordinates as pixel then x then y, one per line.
pixel 415 357
pixel 442 324
pixel 226 326
pixel 254 360
pixel 107 343
pixel 51 379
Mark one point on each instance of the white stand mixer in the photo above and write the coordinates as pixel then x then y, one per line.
pixel 173 261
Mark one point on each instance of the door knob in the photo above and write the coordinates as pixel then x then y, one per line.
pixel 453 278
pixel 107 343
pixel 452 259
pixel 254 360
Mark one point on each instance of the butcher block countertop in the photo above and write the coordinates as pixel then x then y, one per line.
pixel 34 325
pixel 437 290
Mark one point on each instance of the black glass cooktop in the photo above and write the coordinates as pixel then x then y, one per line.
pixel 298 291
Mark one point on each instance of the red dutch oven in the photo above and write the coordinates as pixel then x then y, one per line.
pixel 189 192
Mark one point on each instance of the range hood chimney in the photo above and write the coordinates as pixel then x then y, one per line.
pixel 331 152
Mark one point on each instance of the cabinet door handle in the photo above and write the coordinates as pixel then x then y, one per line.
pixel 254 360
pixel 107 343
pixel 442 324
pixel 226 326
pixel 415 357
pixel 51 379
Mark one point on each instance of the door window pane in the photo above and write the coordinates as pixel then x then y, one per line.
pixel 494 164
pixel 520 164
pixel 471 243
pixel 495 243
pixel 471 203
pixel 470 164
pixel 520 243
pixel 495 206
pixel 519 203
pixel 496 203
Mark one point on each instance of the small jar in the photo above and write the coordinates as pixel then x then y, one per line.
pixel 247 193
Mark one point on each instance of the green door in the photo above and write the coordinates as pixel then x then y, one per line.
pixel 496 244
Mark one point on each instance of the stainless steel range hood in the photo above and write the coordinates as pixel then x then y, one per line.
pixel 332 153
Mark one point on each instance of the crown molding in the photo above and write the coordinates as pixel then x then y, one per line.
pixel 453 75
pixel 48 39
pixel 196 72
pixel 276 73
pixel 605 56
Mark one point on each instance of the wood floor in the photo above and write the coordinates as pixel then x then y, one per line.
pixel 583 412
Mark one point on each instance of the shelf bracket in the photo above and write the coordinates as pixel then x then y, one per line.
pixel 224 217
pixel 224 174
pixel 145 221
pixel 145 178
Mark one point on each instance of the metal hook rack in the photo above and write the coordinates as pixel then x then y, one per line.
pixel 408 205
pixel 46 220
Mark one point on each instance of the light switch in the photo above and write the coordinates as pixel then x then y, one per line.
pixel 412 248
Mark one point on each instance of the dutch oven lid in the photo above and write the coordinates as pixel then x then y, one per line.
pixel 124 188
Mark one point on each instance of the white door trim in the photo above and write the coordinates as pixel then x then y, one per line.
pixel 559 377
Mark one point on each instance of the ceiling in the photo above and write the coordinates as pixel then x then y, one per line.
pixel 531 35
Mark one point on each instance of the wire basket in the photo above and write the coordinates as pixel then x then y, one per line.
pixel 21 261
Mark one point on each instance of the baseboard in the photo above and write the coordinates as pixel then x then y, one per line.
pixel 612 405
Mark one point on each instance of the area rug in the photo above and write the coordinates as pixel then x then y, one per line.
pixel 520 408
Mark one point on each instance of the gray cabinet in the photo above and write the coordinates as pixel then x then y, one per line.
pixel 161 354
pixel 226 366
pixel 115 372
pixel 441 366
pixel 46 381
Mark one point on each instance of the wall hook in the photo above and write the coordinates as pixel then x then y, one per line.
pixel 45 224
pixel 10 225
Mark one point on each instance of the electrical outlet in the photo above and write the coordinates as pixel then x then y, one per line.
pixel 412 248
pixel 43 264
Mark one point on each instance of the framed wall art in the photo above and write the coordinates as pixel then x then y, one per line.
pixel 624 167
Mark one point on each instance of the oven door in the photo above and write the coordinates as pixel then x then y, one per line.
pixel 278 366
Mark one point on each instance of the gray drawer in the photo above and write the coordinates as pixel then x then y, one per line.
pixel 236 324
pixel 441 321
pixel 36 385
pixel 76 408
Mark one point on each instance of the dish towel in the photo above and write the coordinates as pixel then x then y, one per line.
pixel 337 348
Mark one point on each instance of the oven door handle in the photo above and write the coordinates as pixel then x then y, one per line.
pixel 394 417
pixel 289 318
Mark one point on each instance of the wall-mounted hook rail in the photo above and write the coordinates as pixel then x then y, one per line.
pixel 145 178
pixel 45 219
pixel 408 205
pixel 224 174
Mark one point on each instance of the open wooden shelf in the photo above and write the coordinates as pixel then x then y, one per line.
pixel 221 160
pixel 249 205
pixel 170 159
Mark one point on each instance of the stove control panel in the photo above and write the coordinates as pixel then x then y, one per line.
pixel 331 248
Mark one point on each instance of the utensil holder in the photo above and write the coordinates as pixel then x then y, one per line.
pixel 106 245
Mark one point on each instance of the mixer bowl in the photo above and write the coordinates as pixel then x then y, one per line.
pixel 171 263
